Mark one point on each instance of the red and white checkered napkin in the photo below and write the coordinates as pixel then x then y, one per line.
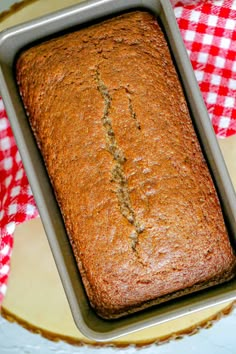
pixel 209 32
pixel 16 201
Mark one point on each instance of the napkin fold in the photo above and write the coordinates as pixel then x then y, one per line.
pixel 208 29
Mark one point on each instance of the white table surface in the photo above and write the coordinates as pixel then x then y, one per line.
pixel 219 339
pixel 5 4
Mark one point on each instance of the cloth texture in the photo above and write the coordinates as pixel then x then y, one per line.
pixel 208 29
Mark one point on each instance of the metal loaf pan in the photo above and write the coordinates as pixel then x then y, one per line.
pixel 11 42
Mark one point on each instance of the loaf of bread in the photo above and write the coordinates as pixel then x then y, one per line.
pixel 140 208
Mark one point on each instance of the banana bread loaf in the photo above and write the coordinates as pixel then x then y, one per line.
pixel 138 201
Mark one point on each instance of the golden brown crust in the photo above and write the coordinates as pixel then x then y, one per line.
pixel 138 201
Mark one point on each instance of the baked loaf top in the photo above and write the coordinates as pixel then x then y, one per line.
pixel 139 204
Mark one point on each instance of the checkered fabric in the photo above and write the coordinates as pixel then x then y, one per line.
pixel 16 201
pixel 209 32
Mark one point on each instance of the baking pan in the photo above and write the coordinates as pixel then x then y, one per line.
pixel 14 40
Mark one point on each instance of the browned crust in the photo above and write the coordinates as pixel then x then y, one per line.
pixel 204 324
pixel 113 95
pixel 14 8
